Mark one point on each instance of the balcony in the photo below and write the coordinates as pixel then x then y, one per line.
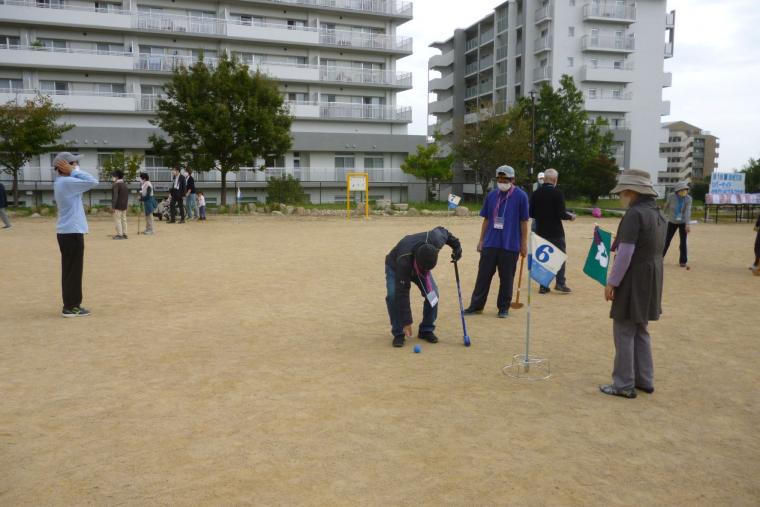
pixel 609 12
pixel 486 62
pixel 273 32
pixel 471 44
pixel 670 20
pixel 443 128
pixel 486 36
pixel 362 77
pixel 486 88
pixel 501 80
pixel 383 8
pixel 668 50
pixel 667 80
pixel 80 59
pixel 622 74
pixel 168 63
pixel 609 102
pixel 608 43
pixel 177 23
pixel 441 106
pixel 78 100
pixel 471 68
pixel 665 108
pixel 502 24
pixel 541 74
pixel 441 83
pixel 471 92
pixel 364 112
pixel 501 53
pixel 148 102
pixel 441 61
pixel 543 13
pixel 28 12
pixel 542 44
pixel 347 39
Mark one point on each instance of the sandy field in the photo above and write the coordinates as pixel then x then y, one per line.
pixel 231 363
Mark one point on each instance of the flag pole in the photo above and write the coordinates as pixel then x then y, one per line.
pixel 530 285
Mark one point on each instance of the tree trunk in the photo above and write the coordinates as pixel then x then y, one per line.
pixel 224 187
pixel 427 189
pixel 15 187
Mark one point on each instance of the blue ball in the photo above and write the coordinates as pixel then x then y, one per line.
pixel 417 349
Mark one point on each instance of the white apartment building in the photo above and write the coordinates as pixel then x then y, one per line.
pixel 689 153
pixel 105 63
pixel 614 50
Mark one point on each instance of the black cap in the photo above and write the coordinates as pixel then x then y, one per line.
pixel 426 257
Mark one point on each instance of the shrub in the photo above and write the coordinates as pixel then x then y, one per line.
pixel 285 190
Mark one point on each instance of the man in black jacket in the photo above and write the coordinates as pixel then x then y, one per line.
pixel 410 262
pixel 547 208
pixel 3 205
pixel 190 198
pixel 177 193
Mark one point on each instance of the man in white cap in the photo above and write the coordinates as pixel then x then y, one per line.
pixel 539 181
pixel 678 210
pixel 68 188
pixel 503 237
pixel 635 284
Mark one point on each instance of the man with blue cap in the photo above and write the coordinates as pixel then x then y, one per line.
pixel 503 237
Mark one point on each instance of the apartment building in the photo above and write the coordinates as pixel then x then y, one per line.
pixel 614 50
pixel 105 63
pixel 689 153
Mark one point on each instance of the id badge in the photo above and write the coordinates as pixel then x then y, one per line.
pixel 498 223
pixel 432 298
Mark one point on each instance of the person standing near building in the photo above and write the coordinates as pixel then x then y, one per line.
pixel 119 203
pixel 177 193
pixel 68 188
pixel 678 211
pixel 190 197
pixel 635 284
pixel 547 208
pixel 201 206
pixel 3 205
pixel 149 202
pixel 503 237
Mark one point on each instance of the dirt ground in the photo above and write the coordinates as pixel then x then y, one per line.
pixel 235 363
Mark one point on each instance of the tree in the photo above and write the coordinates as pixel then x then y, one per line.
pixel 426 164
pixel 28 130
pixel 492 142
pixel 224 119
pixel 699 188
pixel 597 177
pixel 128 164
pixel 565 139
pixel 752 176
pixel 284 190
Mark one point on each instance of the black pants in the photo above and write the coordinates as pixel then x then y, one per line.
pixel 492 259
pixel 562 245
pixel 681 236
pixel 72 264
pixel 177 201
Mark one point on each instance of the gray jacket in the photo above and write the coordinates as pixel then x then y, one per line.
pixel 670 209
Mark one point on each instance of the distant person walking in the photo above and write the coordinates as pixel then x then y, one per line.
pixel 177 193
pixel 68 188
pixel 149 202
pixel 190 196
pixel 3 205
pixel 678 211
pixel 119 203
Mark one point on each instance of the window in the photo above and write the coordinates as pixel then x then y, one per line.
pixel 592 93
pixel 274 162
pixel 571 31
pixel 107 47
pixel 297 97
pixel 570 61
pixel 109 88
pixel 53 44
pixel 617 93
pixel 373 162
pixel 594 63
pixel 11 85
pixel 617 64
pixel 107 7
pixel 345 161
pixel 9 42
pixel 55 87
pixel 51 4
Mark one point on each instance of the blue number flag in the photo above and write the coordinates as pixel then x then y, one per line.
pixel 545 260
pixel 454 201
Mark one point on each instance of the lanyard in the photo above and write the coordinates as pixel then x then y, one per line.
pixel 505 201
pixel 426 278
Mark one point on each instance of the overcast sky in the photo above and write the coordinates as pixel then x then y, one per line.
pixel 716 68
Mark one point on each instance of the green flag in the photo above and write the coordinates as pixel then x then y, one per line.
pixel 599 256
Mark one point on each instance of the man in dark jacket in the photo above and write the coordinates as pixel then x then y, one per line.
pixel 177 192
pixel 547 208
pixel 410 262
pixel 635 284
pixel 3 205
pixel 119 203
pixel 190 200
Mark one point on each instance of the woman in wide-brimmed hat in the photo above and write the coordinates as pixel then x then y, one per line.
pixel 678 210
pixel 635 284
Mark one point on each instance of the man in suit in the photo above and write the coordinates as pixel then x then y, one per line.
pixel 177 193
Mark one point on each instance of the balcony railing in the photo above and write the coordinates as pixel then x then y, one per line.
pixel 608 42
pixel 471 68
pixel 486 62
pixel 148 102
pixel 486 87
pixel 501 80
pixel 66 50
pixel 501 52
pixel 348 111
pixel 369 6
pixel 486 36
pixel 168 63
pixel 73 93
pixel 542 74
pixel 668 50
pixel 542 44
pixel 502 24
pixel 609 95
pixel 543 13
pixel 609 11
pixel 350 39
pixel 364 76
pixel 471 44
pixel 179 23
pixel 471 92
pixel 62 6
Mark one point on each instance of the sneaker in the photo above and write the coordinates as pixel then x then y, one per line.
pixel 398 341
pixel 503 314
pixel 148 233
pixel 124 237
pixel 428 336
pixel 119 237
pixel 7 226
pixel 544 290
pixel 614 391
pixel 181 222
pixel 564 289
pixel 472 311
pixel 77 311
pixel 648 390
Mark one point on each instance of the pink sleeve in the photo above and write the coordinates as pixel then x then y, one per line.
pixel 622 262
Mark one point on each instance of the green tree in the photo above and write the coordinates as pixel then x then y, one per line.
pixel 28 130
pixel 284 190
pixel 427 164
pixel 597 177
pixel 494 141
pixel 565 138
pixel 224 119
pixel 752 175
pixel 128 164
pixel 699 188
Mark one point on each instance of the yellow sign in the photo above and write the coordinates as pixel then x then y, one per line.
pixel 357 182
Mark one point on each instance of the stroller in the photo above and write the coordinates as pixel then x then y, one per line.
pixel 163 208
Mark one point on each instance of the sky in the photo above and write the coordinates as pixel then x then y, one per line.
pixel 716 67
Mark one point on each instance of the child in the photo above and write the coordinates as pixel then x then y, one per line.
pixel 149 202
pixel 201 206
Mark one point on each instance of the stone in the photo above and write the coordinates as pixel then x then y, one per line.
pixel 400 207
pixel 413 212
pixel 462 211
pixel 289 210
pixel 277 213
pixel 383 203
pixel 426 212
pixel 377 212
pixel 283 208
pixel 300 211
pixel 44 212
pixel 36 215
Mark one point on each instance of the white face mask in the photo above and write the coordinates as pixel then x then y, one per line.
pixel 504 186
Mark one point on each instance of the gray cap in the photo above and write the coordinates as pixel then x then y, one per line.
pixel 506 170
pixel 681 185
pixel 68 157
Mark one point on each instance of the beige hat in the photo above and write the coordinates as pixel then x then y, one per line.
pixel 635 180
pixel 681 185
